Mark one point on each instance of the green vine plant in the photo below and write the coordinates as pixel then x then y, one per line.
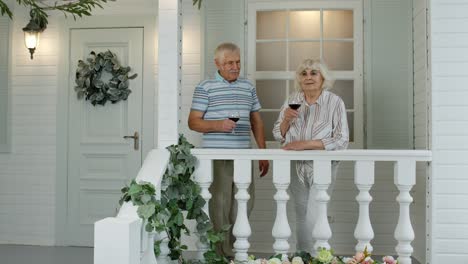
pixel 38 9
pixel 179 194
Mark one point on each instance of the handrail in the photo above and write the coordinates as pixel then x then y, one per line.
pixel 349 155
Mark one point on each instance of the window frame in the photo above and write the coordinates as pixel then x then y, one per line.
pixel 355 75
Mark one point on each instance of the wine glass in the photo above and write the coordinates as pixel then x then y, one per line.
pixel 294 103
pixel 234 116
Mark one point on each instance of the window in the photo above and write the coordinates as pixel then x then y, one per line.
pixel 282 34
pixel 4 82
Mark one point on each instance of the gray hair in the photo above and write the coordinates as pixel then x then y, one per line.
pixel 314 64
pixel 222 48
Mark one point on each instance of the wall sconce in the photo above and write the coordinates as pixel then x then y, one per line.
pixel 31 35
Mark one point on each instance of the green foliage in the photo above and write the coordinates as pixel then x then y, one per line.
pixel 38 9
pixel 181 194
pixel 89 82
pixel 199 2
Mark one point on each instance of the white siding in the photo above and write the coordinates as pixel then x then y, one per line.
pixel 449 208
pixel 28 173
pixel 421 106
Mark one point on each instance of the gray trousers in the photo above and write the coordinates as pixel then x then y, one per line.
pixel 306 207
pixel 223 206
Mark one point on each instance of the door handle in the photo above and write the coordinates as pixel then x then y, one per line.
pixel 136 140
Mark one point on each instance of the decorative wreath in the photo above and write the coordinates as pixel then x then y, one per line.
pixel 91 84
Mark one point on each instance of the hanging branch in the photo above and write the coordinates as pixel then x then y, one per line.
pixel 199 3
pixel 78 8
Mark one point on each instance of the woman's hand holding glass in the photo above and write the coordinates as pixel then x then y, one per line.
pixel 292 112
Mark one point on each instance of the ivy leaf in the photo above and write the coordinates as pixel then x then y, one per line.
pixel 134 189
pixel 157 248
pixel 148 228
pixel 145 211
pixel 179 219
pixel 145 198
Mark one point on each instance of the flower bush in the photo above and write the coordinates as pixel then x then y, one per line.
pixel 324 256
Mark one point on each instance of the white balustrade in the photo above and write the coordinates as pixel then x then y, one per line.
pixel 281 229
pixel 241 230
pixel 364 179
pixel 322 179
pixel 126 229
pixel 405 178
pixel 203 175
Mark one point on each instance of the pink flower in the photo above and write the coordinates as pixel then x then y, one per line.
pixel 368 260
pixel 352 261
pixel 389 260
pixel 359 257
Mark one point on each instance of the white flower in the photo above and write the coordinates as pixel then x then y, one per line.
pixel 346 260
pixel 258 261
pixel 274 261
pixel 297 260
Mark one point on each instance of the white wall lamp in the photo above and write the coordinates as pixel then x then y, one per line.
pixel 32 32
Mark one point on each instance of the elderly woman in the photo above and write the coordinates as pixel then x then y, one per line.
pixel 318 122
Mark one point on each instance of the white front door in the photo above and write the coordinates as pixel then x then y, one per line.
pixel 100 159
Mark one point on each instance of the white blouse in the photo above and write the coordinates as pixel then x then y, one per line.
pixel 323 120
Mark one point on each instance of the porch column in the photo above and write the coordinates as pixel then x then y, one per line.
pixel 169 71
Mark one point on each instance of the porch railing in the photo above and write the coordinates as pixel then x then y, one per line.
pixel 364 160
pixel 126 231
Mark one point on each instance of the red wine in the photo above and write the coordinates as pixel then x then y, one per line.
pixel 235 119
pixel 294 106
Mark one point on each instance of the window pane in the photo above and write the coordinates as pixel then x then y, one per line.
pixel 271 56
pixel 269 119
pixel 304 24
pixel 350 116
pixel 338 24
pixel 271 24
pixel 299 51
pixel 271 93
pixel 292 89
pixel 338 55
pixel 345 90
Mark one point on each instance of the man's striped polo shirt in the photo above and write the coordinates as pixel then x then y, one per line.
pixel 216 98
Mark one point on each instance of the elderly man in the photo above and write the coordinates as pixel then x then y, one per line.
pixel 225 109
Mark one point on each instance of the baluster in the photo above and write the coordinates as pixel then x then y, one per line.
pixel 405 178
pixel 241 230
pixel 147 255
pixel 203 175
pixel 364 179
pixel 281 229
pixel 322 179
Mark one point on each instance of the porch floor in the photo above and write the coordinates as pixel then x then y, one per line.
pixel 21 254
